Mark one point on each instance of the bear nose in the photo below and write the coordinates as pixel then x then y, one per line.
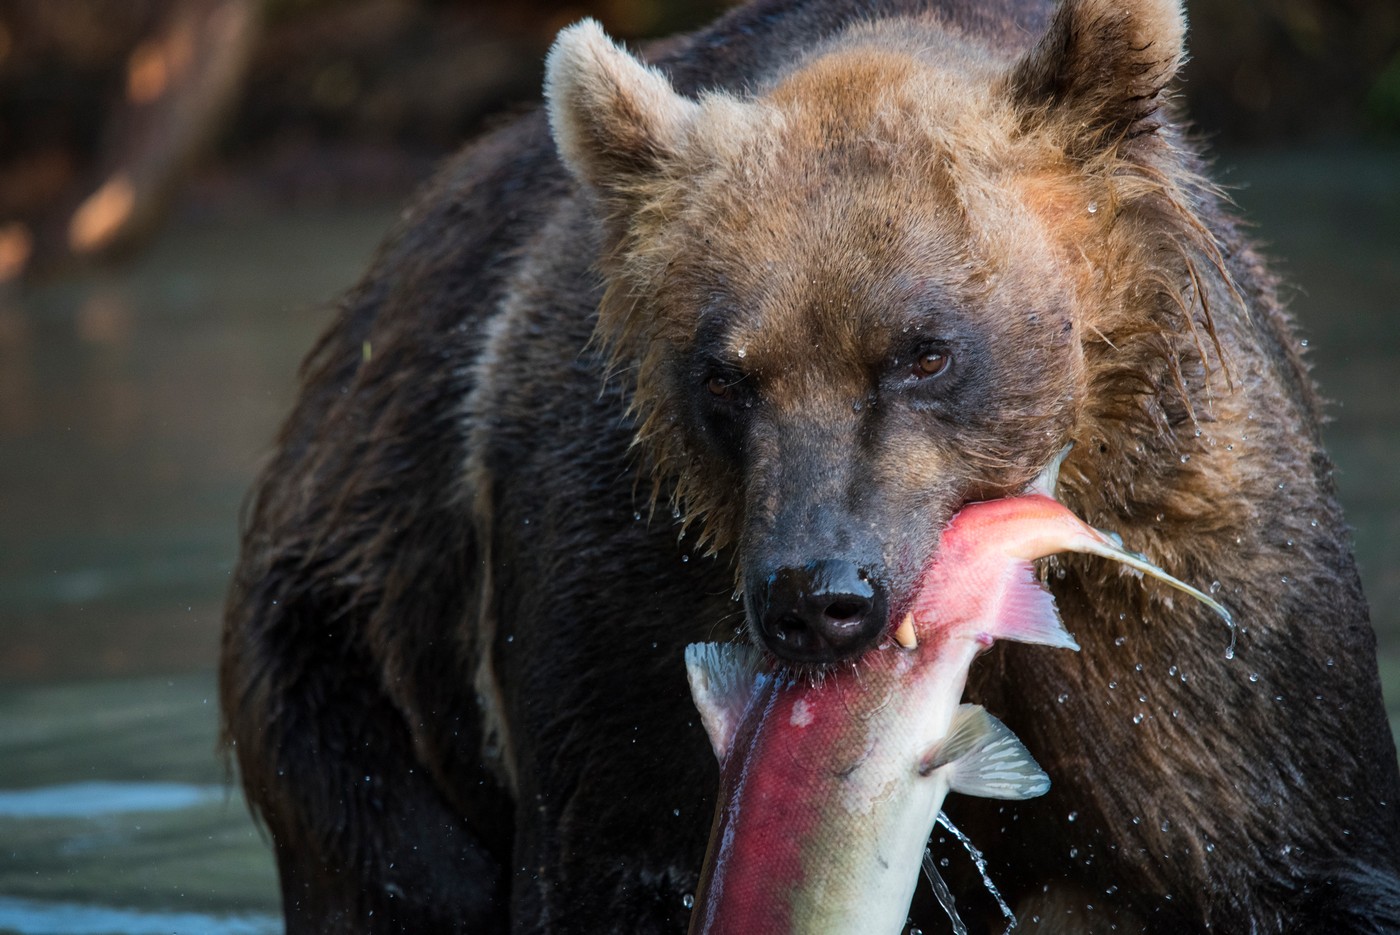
pixel 822 612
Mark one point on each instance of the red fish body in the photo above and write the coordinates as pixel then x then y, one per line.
pixel 829 790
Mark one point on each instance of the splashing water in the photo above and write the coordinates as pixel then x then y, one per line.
pixel 981 863
pixel 940 889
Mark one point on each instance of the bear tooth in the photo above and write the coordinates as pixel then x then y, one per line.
pixel 904 635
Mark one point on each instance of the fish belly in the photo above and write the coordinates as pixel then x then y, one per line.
pixel 823 817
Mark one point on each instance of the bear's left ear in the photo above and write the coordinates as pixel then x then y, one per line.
pixel 612 117
pixel 1101 67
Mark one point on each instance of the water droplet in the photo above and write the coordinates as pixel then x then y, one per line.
pixel 1283 579
pixel 1215 587
pixel 1137 718
pixel 1185 458
pixel 1312 523
pixel 637 517
pixel 1329 661
pixel 1304 342
pixel 1288 544
pixel 1073 853
pixel 688 901
pixel 1176 712
pixel 676 812
pixel 1161 516
pixel 1093 207
pixel 1065 697
pixel 1137 820
pixel 1142 698
pixel 1112 686
pixel 1254 676
pixel 1229 654
pixel 1138 668
pixel 1120 641
pixel 1073 816
pixel 1230 447
pixel 1172 671
pixel 742 352
pixel 1209 847
pixel 1166 823
pixel 685 558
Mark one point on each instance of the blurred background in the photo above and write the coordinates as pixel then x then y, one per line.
pixel 186 185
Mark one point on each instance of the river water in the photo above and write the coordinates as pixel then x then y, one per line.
pixel 136 404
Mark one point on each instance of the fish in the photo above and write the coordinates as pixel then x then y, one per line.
pixel 830 785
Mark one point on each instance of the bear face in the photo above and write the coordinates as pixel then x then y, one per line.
pixel 877 288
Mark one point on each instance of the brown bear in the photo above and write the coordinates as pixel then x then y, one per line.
pixel 720 355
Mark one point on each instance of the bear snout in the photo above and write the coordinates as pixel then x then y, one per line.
pixel 820 612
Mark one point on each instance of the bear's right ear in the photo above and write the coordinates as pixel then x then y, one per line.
pixel 613 118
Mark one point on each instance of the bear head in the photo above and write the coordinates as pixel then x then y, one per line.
pixel 899 274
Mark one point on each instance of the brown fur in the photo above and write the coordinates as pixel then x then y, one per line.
pixel 460 579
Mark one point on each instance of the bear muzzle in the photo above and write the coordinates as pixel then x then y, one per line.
pixel 821 612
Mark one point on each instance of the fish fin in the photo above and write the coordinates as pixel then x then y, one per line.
pixel 1110 545
pixel 722 678
pixel 1048 479
pixel 1028 613
pixel 985 759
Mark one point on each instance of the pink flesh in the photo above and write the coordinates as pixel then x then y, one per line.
pixel 772 834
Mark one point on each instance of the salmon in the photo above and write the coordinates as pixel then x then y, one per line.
pixel 830 785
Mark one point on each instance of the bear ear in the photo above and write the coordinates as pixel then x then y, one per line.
pixel 612 117
pixel 1102 66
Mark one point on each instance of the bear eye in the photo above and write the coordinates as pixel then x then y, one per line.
pixel 729 389
pixel 930 364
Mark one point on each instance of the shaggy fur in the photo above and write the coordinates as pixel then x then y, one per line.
pixel 610 393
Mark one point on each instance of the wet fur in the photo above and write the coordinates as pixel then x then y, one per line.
pixel 452 673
